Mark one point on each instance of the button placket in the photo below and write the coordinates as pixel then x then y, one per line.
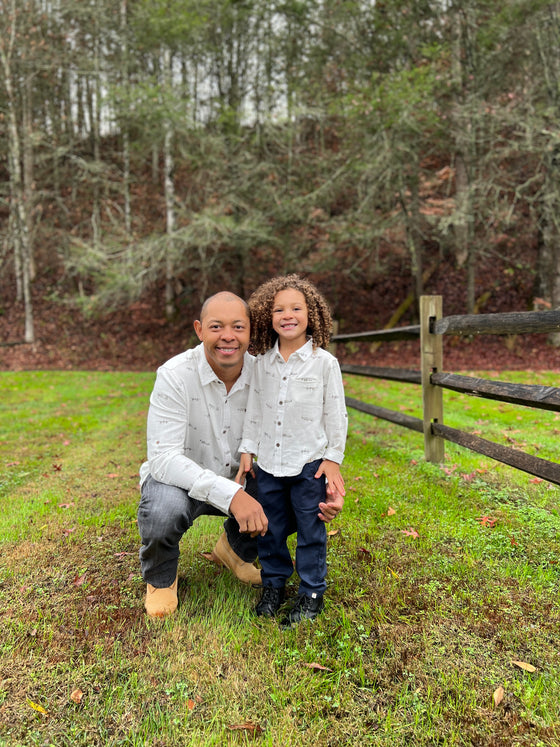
pixel 226 424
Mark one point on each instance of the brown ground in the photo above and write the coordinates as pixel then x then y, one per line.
pixel 138 340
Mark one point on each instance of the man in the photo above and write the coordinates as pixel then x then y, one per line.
pixel 195 423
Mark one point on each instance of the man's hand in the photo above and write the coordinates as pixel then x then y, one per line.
pixel 249 514
pixel 332 506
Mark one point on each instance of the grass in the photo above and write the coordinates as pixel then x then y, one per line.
pixel 428 603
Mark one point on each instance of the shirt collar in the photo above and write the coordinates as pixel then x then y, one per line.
pixel 208 375
pixel 304 352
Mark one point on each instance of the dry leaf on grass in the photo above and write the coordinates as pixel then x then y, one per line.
pixel 525 666
pixel 77 696
pixel 316 667
pixel 247 726
pixel 498 695
pixel 391 511
pixel 410 532
pixel 37 707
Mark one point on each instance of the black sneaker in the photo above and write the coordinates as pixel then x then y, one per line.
pixel 271 600
pixel 306 608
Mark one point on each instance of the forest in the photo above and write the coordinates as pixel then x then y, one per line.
pixel 155 151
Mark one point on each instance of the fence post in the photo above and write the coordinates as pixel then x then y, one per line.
pixel 332 345
pixel 431 352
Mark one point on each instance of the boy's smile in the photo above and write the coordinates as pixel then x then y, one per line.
pixel 289 318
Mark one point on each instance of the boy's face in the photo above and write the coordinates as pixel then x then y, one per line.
pixel 225 332
pixel 289 317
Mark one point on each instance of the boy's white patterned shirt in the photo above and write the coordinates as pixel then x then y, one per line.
pixel 195 426
pixel 296 411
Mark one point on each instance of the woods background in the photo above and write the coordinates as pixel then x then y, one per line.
pixel 155 151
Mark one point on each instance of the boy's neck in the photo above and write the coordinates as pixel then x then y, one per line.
pixel 287 347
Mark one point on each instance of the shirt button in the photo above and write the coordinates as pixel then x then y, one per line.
pixel 224 431
pixel 280 403
pixel 278 445
pixel 279 422
pixel 227 464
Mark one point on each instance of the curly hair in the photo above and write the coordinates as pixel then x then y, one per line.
pixel 319 320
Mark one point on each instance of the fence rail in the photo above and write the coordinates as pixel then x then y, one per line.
pixel 433 380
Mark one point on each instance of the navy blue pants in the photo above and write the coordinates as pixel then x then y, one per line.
pixel 165 513
pixel 291 504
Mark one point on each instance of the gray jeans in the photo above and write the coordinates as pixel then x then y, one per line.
pixel 165 513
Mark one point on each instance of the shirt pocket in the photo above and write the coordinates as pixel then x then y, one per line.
pixel 307 393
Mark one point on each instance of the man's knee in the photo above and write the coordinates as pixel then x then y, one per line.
pixel 163 509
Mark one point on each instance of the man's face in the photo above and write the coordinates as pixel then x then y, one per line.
pixel 224 330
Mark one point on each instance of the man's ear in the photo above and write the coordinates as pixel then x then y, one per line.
pixel 198 329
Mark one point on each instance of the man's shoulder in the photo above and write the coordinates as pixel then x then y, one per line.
pixel 185 359
pixel 181 364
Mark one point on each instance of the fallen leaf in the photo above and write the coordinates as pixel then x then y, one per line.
pixel 333 532
pixel 525 666
pixel 394 574
pixel 498 695
pixel 190 704
pixel 65 505
pixel 77 696
pixel 363 551
pixel 247 726
pixel 391 511
pixel 317 667
pixel 112 474
pixel 57 467
pixel 123 554
pixel 37 707
pixel 487 521
pixel 410 532
pixel 79 580
pixel 536 480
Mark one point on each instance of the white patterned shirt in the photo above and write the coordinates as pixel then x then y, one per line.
pixel 195 426
pixel 296 411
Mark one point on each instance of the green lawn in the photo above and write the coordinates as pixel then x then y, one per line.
pixel 440 578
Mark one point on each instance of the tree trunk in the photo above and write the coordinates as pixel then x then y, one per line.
pixel 169 188
pixel 18 207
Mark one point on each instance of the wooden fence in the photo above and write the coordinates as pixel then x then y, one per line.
pixel 433 380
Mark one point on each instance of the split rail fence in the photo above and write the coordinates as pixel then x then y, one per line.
pixel 433 380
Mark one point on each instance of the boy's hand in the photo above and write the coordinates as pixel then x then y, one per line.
pixel 330 509
pixel 335 490
pixel 245 465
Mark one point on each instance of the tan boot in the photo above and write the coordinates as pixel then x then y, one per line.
pixel 161 602
pixel 224 555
